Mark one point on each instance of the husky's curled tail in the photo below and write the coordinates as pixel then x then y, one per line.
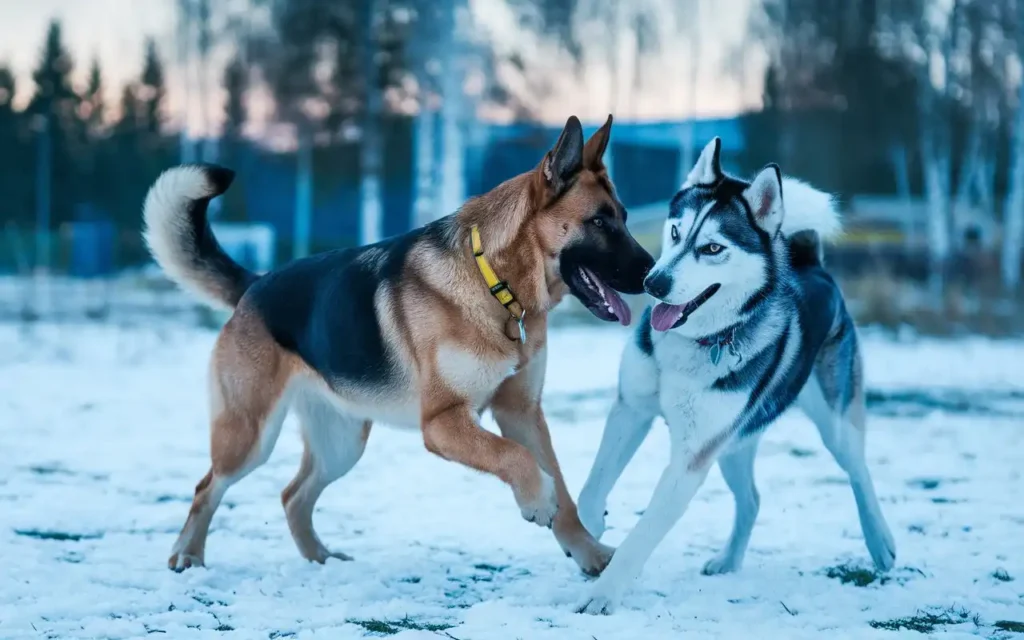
pixel 811 219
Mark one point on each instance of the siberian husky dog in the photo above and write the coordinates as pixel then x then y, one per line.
pixel 747 323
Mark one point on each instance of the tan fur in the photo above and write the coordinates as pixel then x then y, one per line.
pixel 451 339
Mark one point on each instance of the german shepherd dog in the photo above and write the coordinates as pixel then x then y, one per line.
pixel 747 323
pixel 423 330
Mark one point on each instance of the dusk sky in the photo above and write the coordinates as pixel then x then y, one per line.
pixel 114 30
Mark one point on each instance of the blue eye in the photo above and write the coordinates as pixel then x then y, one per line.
pixel 710 249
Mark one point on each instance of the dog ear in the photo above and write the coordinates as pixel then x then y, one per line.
pixel 565 160
pixel 593 152
pixel 764 196
pixel 708 168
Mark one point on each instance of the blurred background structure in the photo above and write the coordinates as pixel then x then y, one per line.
pixel 353 120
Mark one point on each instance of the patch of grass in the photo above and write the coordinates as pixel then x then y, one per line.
pixel 1002 576
pixel 167 498
pixel 946 501
pixel 206 602
pixel 57 536
pixel 493 568
pixel 391 627
pixel 1009 625
pixel 924 483
pixel 50 470
pixel 926 621
pixel 797 452
pixel 847 574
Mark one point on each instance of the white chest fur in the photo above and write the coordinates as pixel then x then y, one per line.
pixel 693 409
pixel 473 376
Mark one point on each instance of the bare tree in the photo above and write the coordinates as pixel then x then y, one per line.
pixel 1013 210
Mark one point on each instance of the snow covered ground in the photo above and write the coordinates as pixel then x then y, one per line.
pixel 103 436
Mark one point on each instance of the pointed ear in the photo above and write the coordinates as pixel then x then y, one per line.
pixel 593 152
pixel 708 169
pixel 764 196
pixel 565 160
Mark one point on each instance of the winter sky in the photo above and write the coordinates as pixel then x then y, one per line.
pixel 114 31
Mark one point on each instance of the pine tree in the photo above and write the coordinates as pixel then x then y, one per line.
pixel 236 84
pixel 54 106
pixel 232 145
pixel 15 175
pixel 151 92
pixel 100 184
pixel 93 108
pixel 54 93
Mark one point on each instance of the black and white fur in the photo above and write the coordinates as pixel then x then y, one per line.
pixel 784 338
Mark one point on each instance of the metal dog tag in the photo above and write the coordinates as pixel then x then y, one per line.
pixel 715 353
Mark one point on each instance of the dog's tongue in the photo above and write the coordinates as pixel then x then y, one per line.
pixel 619 306
pixel 665 316
pixel 613 299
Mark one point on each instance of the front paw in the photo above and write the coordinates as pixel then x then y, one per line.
pixel 593 561
pixel 597 605
pixel 722 563
pixel 541 510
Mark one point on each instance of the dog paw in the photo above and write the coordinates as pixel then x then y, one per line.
pixel 541 510
pixel 594 560
pixel 884 556
pixel 880 544
pixel 323 555
pixel 178 562
pixel 597 605
pixel 722 563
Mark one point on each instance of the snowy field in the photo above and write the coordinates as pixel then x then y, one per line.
pixel 103 436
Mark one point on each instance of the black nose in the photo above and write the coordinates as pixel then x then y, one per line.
pixel 658 284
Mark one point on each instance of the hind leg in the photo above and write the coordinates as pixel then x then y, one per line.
pixel 843 433
pixel 248 388
pixel 333 445
pixel 738 471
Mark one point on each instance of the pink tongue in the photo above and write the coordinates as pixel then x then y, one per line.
pixel 663 316
pixel 618 305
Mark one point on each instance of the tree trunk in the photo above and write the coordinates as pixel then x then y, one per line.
pixel 371 215
pixel 690 142
pixel 453 113
pixel 303 194
pixel 901 172
pixel 1013 210
pixel 426 194
pixel 970 165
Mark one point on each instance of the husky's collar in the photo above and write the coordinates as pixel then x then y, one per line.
pixel 720 341
pixel 499 288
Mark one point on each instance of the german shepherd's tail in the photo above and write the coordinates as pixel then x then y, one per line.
pixel 178 234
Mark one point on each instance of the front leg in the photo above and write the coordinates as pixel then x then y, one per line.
pixel 686 471
pixel 516 408
pixel 624 432
pixel 452 432
pixel 628 424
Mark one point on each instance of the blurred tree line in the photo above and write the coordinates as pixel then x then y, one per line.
pixel 93 160
pixel 916 99
pixel 341 72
